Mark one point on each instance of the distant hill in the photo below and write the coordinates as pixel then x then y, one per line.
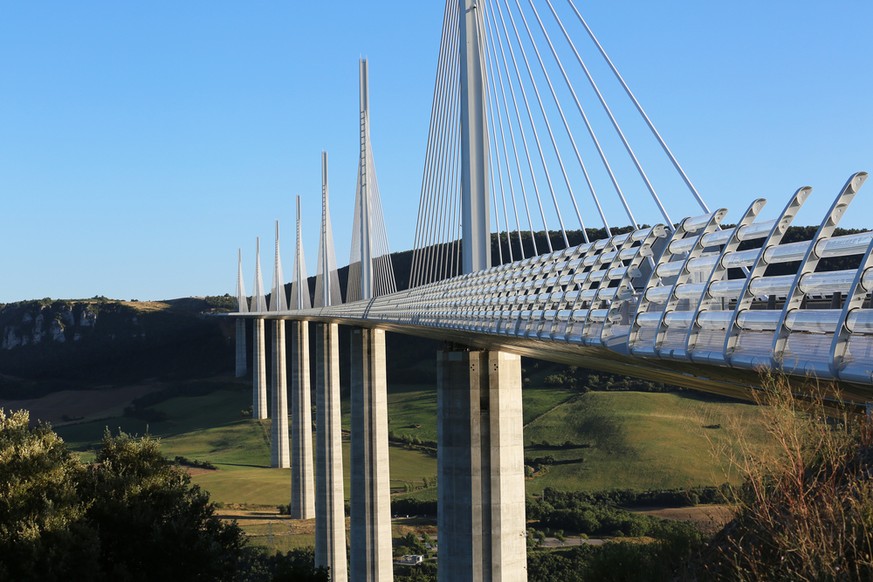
pixel 47 345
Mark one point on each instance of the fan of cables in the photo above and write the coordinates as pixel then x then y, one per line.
pixel 560 125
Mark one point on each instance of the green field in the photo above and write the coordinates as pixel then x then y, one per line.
pixel 598 440
pixel 638 440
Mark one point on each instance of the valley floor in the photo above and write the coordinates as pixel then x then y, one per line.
pixel 573 441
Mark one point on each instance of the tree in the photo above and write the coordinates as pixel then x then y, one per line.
pixel 44 534
pixel 130 515
pixel 152 523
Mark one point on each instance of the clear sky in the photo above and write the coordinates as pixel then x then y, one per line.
pixel 142 143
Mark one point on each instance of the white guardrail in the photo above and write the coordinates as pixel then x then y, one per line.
pixel 691 295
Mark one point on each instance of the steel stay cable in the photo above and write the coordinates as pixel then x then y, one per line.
pixel 496 105
pixel 561 109
pixel 518 167
pixel 533 129
pixel 424 212
pixel 587 122
pixel 639 107
pixel 618 130
pixel 546 121
pixel 527 156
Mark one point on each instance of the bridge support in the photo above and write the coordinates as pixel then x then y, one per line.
pixel 259 370
pixel 476 250
pixel 371 503
pixel 279 409
pixel 241 364
pixel 480 463
pixel 330 521
pixel 302 483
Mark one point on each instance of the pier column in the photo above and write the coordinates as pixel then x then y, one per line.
pixel 279 456
pixel 241 364
pixel 330 520
pixel 371 559
pixel 259 370
pixel 302 476
pixel 480 464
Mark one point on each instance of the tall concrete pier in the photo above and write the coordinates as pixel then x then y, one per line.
pixel 259 343
pixel 259 370
pixel 302 476
pixel 241 364
pixel 330 521
pixel 371 502
pixel 279 453
pixel 480 464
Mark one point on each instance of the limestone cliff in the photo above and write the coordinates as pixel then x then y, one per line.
pixel 65 343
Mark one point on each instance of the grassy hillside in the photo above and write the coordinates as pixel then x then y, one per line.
pixel 597 440
pixel 637 440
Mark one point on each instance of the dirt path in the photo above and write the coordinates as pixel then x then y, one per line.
pixel 709 518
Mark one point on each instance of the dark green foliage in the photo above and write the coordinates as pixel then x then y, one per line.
pixel 661 560
pixel 602 513
pixel 664 559
pixel 413 507
pixel 186 462
pixel 413 544
pixel 559 565
pixel 629 498
pixel 426 572
pixel 130 515
pixel 296 566
pixel 43 531
pixel 153 524
pixel 222 302
pixel 109 342
pixel 583 380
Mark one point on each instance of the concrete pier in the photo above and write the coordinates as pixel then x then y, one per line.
pixel 330 521
pixel 279 454
pixel 371 559
pixel 259 370
pixel 241 364
pixel 480 464
pixel 302 475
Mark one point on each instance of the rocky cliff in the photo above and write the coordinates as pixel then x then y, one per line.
pixel 54 344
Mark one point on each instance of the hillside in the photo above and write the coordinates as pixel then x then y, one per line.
pixel 49 345
pixel 590 441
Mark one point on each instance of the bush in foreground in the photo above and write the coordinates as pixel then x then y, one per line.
pixel 805 509
pixel 130 515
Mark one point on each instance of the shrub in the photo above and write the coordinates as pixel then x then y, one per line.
pixel 805 509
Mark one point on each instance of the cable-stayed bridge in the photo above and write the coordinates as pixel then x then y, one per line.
pixel 534 134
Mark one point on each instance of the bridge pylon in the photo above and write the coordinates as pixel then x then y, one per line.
pixel 279 453
pixel 480 465
pixel 330 520
pixel 371 273
pixel 302 475
pixel 242 307
pixel 259 356
pixel 371 551
pixel 476 248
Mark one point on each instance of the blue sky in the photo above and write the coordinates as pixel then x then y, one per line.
pixel 142 143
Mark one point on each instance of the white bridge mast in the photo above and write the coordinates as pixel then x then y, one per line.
pixel 476 253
